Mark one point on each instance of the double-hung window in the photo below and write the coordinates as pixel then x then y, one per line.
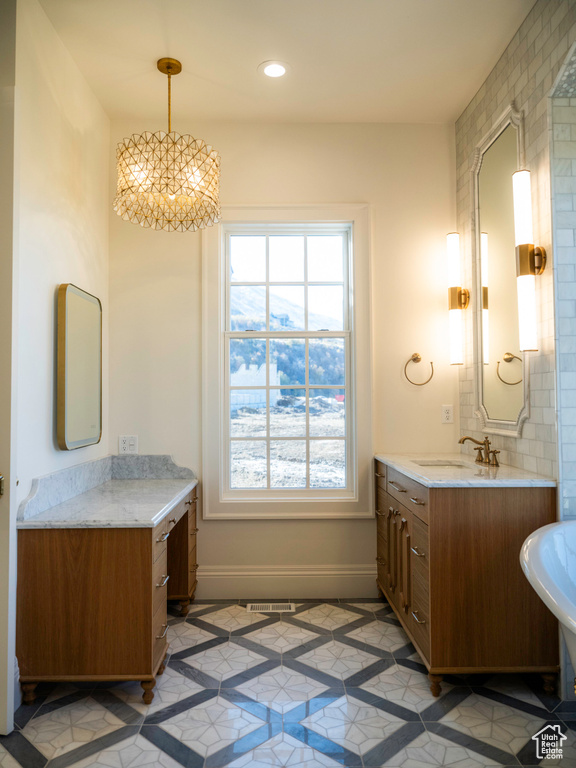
pixel 288 351
pixel 286 415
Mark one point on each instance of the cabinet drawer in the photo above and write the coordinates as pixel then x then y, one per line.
pixel 413 495
pixel 420 547
pixel 159 632
pixel 159 582
pixel 419 615
pixel 160 536
pixel 380 475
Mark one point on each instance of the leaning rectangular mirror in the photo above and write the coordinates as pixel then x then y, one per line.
pixel 79 368
pixel 501 370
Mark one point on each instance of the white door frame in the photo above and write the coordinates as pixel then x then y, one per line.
pixel 8 284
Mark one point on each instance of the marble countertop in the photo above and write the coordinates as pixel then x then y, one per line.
pixel 136 503
pixel 455 470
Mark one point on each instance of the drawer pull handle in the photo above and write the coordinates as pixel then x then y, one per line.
pixel 187 503
pixel 418 502
pixel 163 635
pixel 194 531
pixel 380 561
pixel 379 475
pixel 416 619
pixel 380 514
pixel 396 487
pixel 194 568
pixel 172 521
pixel 163 537
pixel 164 582
pixel 417 553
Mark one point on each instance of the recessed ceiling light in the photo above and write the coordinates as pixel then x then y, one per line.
pixel 273 68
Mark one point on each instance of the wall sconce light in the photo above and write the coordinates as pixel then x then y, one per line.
pixel 458 299
pixel 530 261
pixel 485 313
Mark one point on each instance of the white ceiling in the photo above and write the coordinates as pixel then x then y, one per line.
pixel 400 61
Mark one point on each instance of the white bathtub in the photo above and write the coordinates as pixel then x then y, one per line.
pixel 548 559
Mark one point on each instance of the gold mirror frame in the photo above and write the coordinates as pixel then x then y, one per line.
pixel 79 369
pixel 510 117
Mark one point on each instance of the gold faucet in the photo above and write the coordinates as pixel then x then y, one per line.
pixel 484 454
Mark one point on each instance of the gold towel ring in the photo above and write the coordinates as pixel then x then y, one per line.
pixel 508 357
pixel 416 358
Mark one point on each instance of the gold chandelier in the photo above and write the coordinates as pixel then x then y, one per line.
pixel 165 180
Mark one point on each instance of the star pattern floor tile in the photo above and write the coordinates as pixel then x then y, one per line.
pixel 283 751
pixel 261 691
pixel 337 659
pixel 328 616
pixel 232 617
pixel 493 723
pixel 281 637
pixel 134 752
pixel 225 660
pixel 64 729
pixel 182 635
pixel 381 635
pixel 404 686
pixel 353 724
pixel 282 689
pixel 431 751
pixel 211 725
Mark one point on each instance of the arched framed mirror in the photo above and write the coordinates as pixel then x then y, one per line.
pixel 502 370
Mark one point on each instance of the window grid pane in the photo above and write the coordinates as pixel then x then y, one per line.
pixel 288 442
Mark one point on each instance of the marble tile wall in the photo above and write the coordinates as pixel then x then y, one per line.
pixel 525 74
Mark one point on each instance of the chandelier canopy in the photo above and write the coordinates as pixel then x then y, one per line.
pixel 165 180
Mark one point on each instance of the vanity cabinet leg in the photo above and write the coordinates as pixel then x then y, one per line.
pixel 29 692
pixel 550 683
pixel 435 686
pixel 184 607
pixel 162 666
pixel 148 694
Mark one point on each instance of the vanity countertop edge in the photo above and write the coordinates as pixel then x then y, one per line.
pixel 138 503
pixel 470 475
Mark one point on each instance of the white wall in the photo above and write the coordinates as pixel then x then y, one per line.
pixel 405 172
pixel 62 171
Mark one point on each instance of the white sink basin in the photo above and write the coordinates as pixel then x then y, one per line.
pixel 548 559
pixel 440 463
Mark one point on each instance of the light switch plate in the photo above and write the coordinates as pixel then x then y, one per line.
pixel 128 444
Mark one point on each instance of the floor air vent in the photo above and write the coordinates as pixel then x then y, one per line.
pixel 271 607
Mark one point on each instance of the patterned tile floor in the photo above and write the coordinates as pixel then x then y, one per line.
pixel 335 684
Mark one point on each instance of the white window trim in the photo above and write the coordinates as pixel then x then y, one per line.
pixel 284 504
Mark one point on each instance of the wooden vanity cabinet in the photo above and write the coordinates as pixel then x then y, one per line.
pixel 448 564
pixel 92 601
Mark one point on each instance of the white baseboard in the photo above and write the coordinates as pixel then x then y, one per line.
pixel 286 581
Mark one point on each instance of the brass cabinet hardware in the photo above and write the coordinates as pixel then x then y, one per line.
pixel 379 475
pixel 163 635
pixel 173 521
pixel 164 582
pixel 416 358
pixel 194 568
pixel 193 532
pixel 417 502
pixel 187 503
pixel 163 537
pixel 380 514
pixel 416 619
pixel 417 553
pixel 396 487
pixel 380 561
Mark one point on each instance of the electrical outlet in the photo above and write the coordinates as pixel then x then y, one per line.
pixel 128 444
pixel 447 414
